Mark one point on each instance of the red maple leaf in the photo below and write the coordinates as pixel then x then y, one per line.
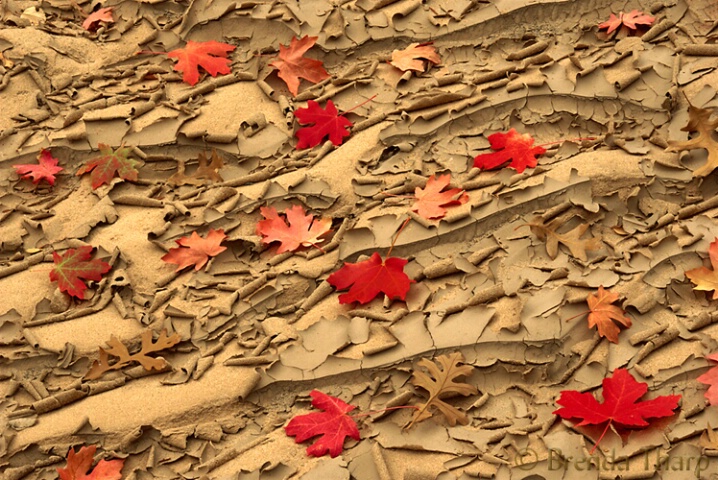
pixel 108 164
pixel 334 425
pixel 369 278
pixel 195 250
pixel 292 64
pixel 299 229
pixel 630 20
pixel 711 378
pixel 620 405
pixel 75 265
pixel 513 146
pixel 44 170
pixel 430 200
pixel 92 22
pixel 211 55
pixel 704 278
pixel 326 122
pixel 79 464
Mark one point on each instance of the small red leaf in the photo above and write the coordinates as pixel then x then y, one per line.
pixel 630 20
pixel 92 22
pixel 334 425
pixel 430 200
pixel 75 265
pixel 292 64
pixel 79 464
pixel 326 122
pixel 211 55
pixel 620 403
pixel 44 170
pixel 108 164
pixel 369 278
pixel 298 230
pixel 195 250
pixel 512 146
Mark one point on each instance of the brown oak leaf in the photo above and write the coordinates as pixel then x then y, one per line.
pixel 571 239
pixel 207 171
pixel 119 350
pixel 441 383
pixel 699 121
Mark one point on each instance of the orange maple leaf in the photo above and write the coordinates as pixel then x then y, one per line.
pixel 704 278
pixel 92 22
pixel 603 314
pixel 630 20
pixel 195 250
pixel 292 64
pixel 78 465
pixel 430 200
pixel 211 55
pixel 413 57
pixel 299 229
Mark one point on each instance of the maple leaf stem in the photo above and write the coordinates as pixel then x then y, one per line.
pixel 149 52
pixel 605 430
pixel 388 254
pixel 361 104
pixel 578 139
pixel 576 316
pixel 384 410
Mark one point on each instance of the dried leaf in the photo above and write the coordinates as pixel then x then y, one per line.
pixel 699 121
pixel 603 314
pixel 195 250
pixel 442 384
pixel 369 278
pixel 118 349
pixel 108 164
pixel 79 464
pixel 620 405
pixel 211 55
pixel 430 200
pixel 710 378
pixel 206 171
pixel 630 20
pixel 75 265
pixel 414 56
pixel 327 123
pixel 298 230
pixel 571 239
pixel 704 278
pixel 44 170
pixel 709 438
pixel 334 425
pixel 512 147
pixel 292 64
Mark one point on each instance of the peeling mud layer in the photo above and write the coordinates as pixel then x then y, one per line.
pixel 259 330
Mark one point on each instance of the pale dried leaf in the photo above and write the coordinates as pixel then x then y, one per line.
pixel 441 383
pixel 119 350
pixel 571 239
